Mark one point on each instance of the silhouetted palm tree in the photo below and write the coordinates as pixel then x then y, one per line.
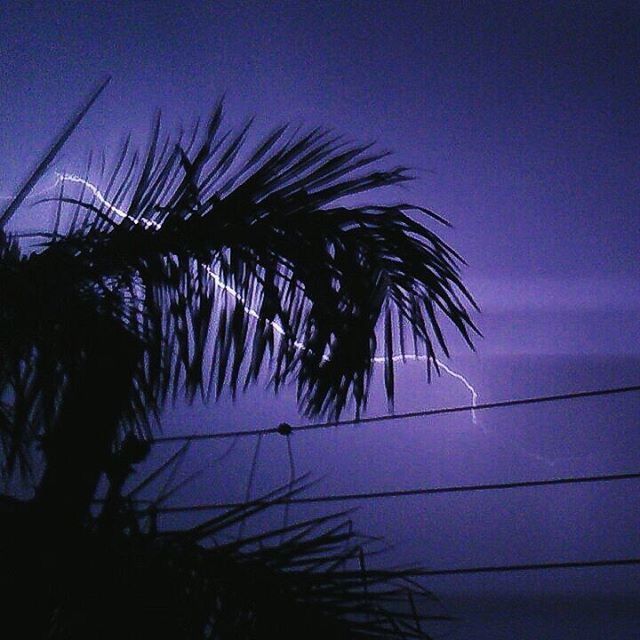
pixel 130 302
pixel 197 269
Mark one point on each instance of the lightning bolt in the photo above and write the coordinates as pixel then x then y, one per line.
pixel 99 196
pixel 278 328
pixel 250 311
pixel 378 359
pixel 448 370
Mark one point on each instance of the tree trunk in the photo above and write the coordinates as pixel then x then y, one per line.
pixel 79 446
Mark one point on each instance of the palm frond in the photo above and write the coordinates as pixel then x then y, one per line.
pixel 249 261
pixel 53 151
pixel 313 583
pixel 122 577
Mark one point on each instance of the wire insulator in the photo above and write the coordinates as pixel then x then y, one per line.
pixel 284 429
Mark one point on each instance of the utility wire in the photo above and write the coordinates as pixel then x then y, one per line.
pixel 292 479
pixel 375 495
pixel 252 476
pixel 547 566
pixel 400 416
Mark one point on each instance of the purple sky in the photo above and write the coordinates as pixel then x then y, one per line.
pixel 522 123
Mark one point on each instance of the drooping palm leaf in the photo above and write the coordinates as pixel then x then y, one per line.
pixel 209 234
pixel 314 583
pixel 53 151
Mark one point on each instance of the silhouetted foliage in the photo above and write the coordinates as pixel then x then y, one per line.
pixel 271 223
pixel 306 580
pixel 200 266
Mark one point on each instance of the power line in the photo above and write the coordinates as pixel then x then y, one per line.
pixel 546 566
pixel 374 495
pixel 400 416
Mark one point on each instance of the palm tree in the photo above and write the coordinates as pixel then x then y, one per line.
pixel 202 267
pixel 131 302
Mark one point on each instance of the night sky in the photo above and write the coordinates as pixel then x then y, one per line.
pixel 521 121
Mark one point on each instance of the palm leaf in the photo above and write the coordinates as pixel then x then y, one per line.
pixel 226 238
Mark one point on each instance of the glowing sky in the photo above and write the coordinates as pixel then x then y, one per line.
pixel 522 123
